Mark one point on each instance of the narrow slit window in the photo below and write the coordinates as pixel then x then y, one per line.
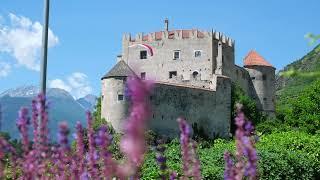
pixel 264 77
pixel 120 97
pixel 176 54
pixel 143 54
pixel 143 75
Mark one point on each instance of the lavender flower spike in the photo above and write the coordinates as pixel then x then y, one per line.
pixel 22 124
pixel 80 147
pixel 133 141
pixel 191 163
pixel 184 141
pixel 245 149
pixel 229 169
pixel 92 161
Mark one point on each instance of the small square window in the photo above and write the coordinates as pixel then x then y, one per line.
pixel 253 78
pixel 143 75
pixel 120 97
pixel 172 73
pixel 197 53
pixel 143 54
pixel 176 54
pixel 264 99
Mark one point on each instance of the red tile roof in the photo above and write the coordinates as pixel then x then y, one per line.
pixel 255 59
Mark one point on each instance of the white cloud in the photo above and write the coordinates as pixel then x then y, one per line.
pixel 77 84
pixel 22 39
pixel 5 69
pixel 58 83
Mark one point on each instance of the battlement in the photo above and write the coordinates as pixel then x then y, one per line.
pixel 178 35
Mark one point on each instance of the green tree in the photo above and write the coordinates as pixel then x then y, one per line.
pixel 305 109
pixel 98 120
pixel 249 106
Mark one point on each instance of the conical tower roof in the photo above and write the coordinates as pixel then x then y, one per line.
pixel 121 69
pixel 255 59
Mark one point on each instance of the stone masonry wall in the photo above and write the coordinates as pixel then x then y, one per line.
pixel 113 110
pixel 158 66
pixel 209 109
pixel 242 78
pixel 263 80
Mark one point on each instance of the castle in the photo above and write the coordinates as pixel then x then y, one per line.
pixel 193 71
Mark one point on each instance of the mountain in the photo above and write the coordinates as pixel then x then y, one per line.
pixel 88 102
pixel 62 107
pixel 303 72
pixel 23 91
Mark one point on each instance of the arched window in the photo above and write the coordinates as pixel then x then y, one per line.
pixel 195 74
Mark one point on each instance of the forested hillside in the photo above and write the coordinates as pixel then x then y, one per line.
pixel 298 75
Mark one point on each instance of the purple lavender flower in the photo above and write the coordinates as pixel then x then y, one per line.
pixel 229 170
pixel 84 176
pixel 22 124
pixel 92 161
pixel 196 163
pixel 245 148
pixel 103 140
pixel 184 142
pixel 35 115
pixel 133 142
pixel 173 176
pixel 80 147
pixel 161 159
pixel 43 127
pixel 63 137
pixel 190 162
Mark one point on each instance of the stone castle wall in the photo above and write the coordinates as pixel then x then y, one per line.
pixel 263 80
pixel 208 109
pixel 201 91
pixel 242 78
pixel 112 109
pixel 158 66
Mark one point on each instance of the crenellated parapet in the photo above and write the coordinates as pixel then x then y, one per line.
pixel 178 35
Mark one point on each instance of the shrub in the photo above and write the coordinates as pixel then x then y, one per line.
pixel 282 155
pixel 304 110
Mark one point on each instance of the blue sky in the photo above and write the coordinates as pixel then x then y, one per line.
pixel 86 35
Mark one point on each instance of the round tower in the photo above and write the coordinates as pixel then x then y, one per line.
pixel 114 104
pixel 262 81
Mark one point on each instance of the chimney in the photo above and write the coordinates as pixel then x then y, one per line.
pixel 119 58
pixel 166 24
